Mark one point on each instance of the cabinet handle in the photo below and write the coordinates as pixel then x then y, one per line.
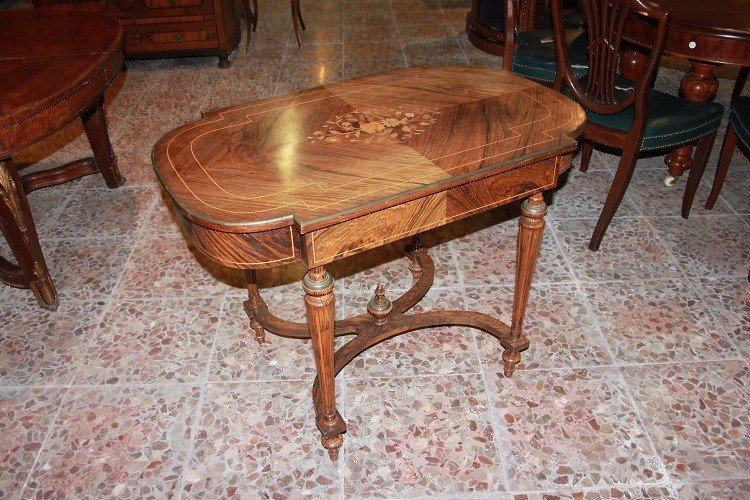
pixel 133 39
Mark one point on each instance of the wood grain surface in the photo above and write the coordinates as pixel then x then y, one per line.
pixel 353 165
pixel 50 76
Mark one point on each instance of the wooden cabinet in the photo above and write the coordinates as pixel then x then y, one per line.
pixel 168 28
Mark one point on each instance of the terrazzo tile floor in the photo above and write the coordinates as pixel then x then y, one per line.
pixel 147 381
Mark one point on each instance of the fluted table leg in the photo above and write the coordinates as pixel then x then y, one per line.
pixel 529 241
pixel 319 302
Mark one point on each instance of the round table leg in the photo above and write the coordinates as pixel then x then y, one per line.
pixel 700 85
pixel 632 64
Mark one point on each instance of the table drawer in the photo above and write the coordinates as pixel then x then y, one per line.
pixel 170 36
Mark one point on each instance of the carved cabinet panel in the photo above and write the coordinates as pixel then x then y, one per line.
pixel 168 28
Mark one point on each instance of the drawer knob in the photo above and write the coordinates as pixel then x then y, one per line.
pixel 133 39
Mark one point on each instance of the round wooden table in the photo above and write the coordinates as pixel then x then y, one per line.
pixel 708 33
pixel 55 68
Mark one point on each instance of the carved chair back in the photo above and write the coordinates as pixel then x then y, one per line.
pixel 599 92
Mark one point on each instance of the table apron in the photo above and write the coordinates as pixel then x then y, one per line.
pixel 23 133
pixel 696 46
pixel 281 246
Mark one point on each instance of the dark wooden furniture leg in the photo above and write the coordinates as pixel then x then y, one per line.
pixel 727 150
pixel 223 61
pixel 19 230
pixel 586 150
pixel 530 230
pixel 730 142
pixel 616 193
pixel 700 85
pixel 632 64
pixel 319 302
pixel 297 21
pixel 703 151
pixel 95 125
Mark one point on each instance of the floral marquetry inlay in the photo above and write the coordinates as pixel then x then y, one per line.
pixel 376 125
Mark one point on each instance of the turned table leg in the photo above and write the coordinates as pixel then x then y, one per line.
pixel 319 302
pixel 95 125
pixel 700 85
pixel 529 240
pixel 19 230
pixel 632 64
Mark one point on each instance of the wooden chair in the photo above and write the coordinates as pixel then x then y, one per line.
pixel 572 15
pixel 738 129
pixel 251 18
pixel 297 21
pixel 626 115
pixel 531 54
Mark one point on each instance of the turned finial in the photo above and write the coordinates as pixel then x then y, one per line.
pixel 379 306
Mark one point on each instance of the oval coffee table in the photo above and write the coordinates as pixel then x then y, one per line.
pixel 326 173
pixel 55 68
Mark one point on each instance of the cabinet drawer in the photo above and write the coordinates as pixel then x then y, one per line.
pixel 134 9
pixel 163 8
pixel 94 5
pixel 170 37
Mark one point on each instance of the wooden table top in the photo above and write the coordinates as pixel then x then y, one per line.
pixel 320 156
pixel 46 58
pixel 732 17
pixel 711 31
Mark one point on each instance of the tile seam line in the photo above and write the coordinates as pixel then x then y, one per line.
pixel 33 466
pixel 599 333
pixel 587 489
pixel 494 422
pixel 602 367
pixel 198 411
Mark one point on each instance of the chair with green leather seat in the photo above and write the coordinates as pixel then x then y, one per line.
pixel 737 130
pixel 531 54
pixel 625 115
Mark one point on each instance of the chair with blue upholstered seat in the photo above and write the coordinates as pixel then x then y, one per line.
pixel 737 130
pixel 626 115
pixel 531 54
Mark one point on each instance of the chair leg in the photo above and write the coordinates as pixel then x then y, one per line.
pixel 616 193
pixel 95 126
pixel 705 145
pixel 255 15
pixel 586 150
pixel 727 150
pixel 298 10
pixel 295 22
